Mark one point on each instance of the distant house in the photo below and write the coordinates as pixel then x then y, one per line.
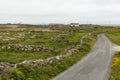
pixel 74 24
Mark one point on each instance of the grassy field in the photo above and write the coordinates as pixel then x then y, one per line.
pixel 114 36
pixel 47 72
pixel 59 38
pixel 36 38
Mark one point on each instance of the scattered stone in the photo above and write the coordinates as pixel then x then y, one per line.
pixel 4 67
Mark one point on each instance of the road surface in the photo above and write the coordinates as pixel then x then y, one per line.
pixel 95 66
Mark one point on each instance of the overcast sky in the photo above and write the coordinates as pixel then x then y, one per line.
pixel 60 11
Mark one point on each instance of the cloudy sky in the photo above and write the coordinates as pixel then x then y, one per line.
pixel 60 11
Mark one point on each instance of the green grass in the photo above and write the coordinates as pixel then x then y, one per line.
pixel 17 57
pixel 75 36
pixel 51 70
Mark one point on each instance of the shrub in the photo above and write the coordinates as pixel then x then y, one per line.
pixel 15 74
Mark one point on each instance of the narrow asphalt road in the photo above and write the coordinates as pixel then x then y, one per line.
pixel 95 66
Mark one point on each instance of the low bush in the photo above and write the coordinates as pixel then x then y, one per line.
pixel 15 74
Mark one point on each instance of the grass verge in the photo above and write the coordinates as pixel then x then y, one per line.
pixel 115 68
pixel 114 36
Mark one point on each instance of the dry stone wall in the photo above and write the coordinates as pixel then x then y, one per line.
pixel 5 66
pixel 69 52
pixel 43 62
pixel 29 48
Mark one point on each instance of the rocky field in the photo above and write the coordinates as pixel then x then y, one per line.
pixel 28 49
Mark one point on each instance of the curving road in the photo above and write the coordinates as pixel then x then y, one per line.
pixel 95 66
